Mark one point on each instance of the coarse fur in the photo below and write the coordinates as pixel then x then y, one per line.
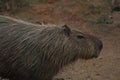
pixel 37 52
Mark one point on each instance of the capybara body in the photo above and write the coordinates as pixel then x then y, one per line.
pixel 37 52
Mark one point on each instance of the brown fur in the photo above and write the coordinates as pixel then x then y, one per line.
pixel 37 52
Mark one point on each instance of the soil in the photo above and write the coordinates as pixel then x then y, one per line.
pixel 92 17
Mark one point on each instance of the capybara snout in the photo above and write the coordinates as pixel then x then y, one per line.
pixel 37 52
pixel 99 47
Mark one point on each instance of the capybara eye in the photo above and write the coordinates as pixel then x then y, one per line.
pixel 80 37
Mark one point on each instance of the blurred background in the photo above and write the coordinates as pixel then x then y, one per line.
pixel 63 11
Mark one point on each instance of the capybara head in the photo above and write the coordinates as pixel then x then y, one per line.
pixel 37 52
pixel 80 45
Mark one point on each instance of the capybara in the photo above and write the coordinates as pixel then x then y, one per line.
pixel 37 52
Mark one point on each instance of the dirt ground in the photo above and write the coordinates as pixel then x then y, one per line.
pixel 92 17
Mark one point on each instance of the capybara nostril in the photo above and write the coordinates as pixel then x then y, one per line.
pixel 100 44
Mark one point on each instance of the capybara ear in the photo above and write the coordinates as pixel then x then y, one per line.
pixel 66 30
